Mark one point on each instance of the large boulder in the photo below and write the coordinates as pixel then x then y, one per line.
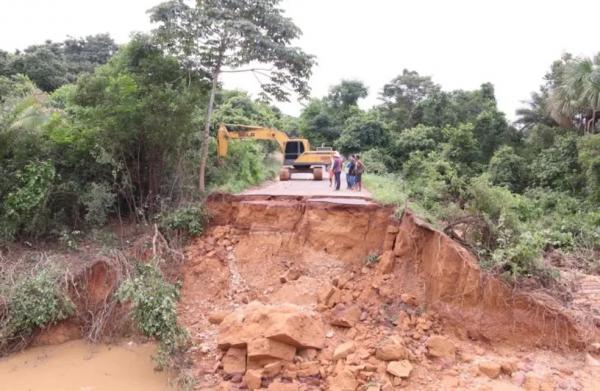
pixel 441 346
pixel 391 349
pixel 262 348
pixel 234 361
pixel 286 323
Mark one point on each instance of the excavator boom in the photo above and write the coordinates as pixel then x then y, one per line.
pixel 227 132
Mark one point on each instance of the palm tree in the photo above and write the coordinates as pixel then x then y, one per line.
pixel 536 111
pixel 576 97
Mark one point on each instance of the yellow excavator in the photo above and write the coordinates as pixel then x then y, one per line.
pixel 297 155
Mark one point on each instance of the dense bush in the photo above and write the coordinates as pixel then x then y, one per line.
pixel 244 166
pixel 558 167
pixel 34 302
pixel 376 161
pixel 589 159
pixel 25 209
pixel 508 169
pixel 420 138
pixel 154 302
pixel 184 221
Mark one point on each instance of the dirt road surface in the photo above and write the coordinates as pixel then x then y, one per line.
pixel 304 185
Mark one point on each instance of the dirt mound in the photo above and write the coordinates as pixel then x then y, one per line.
pixel 422 317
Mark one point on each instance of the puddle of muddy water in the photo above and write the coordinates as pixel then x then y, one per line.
pixel 80 366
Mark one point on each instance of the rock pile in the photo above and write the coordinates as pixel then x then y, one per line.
pixel 260 341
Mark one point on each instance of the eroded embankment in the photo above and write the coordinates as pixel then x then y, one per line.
pixel 424 262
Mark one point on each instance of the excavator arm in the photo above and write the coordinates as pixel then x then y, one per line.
pixel 227 132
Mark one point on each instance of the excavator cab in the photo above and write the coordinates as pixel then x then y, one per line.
pixel 293 149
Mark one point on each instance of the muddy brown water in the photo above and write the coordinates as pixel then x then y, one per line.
pixel 80 366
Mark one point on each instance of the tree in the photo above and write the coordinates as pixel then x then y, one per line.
pixel 536 112
pixel 319 124
pixel 54 64
pixel 420 138
pixel 347 94
pixel 218 36
pixel 83 55
pixel 43 64
pixel 461 147
pixel 403 93
pixel 509 169
pixel 361 132
pixel 576 94
pixel 491 131
pixel 140 110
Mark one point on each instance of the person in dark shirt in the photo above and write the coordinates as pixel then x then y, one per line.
pixel 337 170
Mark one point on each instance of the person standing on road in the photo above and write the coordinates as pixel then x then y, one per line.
pixel 337 170
pixel 330 172
pixel 359 170
pixel 350 173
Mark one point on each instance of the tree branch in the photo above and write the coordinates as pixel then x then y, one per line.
pixel 246 70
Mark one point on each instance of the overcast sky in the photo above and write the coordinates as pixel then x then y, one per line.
pixel 460 43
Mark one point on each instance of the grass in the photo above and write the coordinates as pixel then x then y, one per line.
pixel 390 189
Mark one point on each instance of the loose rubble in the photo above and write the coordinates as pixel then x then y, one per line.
pixel 350 328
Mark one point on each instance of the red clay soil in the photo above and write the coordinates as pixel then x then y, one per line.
pixel 311 253
pixel 446 276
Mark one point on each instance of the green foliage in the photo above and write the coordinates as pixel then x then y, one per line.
pixel 376 161
pixel 54 64
pixel 25 209
pixel 346 94
pixel 420 138
pixel 589 160
pixel 521 256
pixel 323 120
pixel 245 166
pixel 36 301
pixel 140 109
pixel 362 131
pixel 391 190
pixel 433 181
pixel 98 201
pixel 508 169
pixel 154 302
pixel 186 220
pixel 402 95
pixel 461 147
pixel 372 258
pixel 320 124
pixel 558 167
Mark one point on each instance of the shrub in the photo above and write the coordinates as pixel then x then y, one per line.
pixel 154 302
pixel 508 169
pixel 98 200
pixel 246 165
pixel 433 181
pixel 420 138
pixel 372 258
pixel 25 210
pixel 184 221
pixel 558 167
pixel 375 161
pixel 36 301
pixel 589 159
pixel 521 256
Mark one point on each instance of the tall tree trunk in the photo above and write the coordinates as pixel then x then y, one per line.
pixel 206 134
